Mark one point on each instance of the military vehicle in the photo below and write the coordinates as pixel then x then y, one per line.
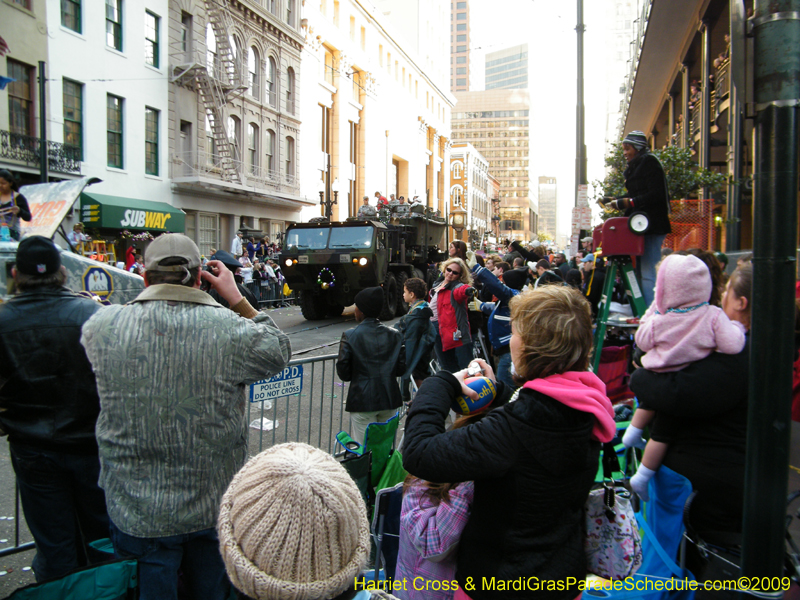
pixel 329 263
pixel 49 204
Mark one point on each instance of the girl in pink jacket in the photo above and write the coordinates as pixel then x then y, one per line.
pixel 679 328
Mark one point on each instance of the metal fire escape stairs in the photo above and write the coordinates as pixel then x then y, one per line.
pixel 218 84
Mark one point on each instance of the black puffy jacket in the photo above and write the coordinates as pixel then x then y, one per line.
pixel 371 358
pixel 533 464
pixel 47 386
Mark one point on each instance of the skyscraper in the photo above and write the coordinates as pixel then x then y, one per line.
pixel 496 122
pixel 507 69
pixel 548 213
pixel 459 46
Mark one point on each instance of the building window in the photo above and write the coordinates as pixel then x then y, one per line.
pixel 207 232
pixel 114 131
pixel 186 36
pixel 461 5
pixel 457 170
pixel 461 37
pixel 22 3
pixel 270 150
pixel 211 143
pixel 460 82
pixel 290 157
pixel 356 87
pixel 252 69
pixel 73 115
pixel 461 60
pixel 114 24
pixel 252 147
pixel 461 71
pixel 151 27
pixel 457 195
pixel 290 13
pixel 290 90
pixel 272 84
pixel 461 48
pixel 71 14
pixel 271 6
pixel 150 141
pixel 461 17
pixel 20 98
pixel 211 51
pixel 461 27
pixel 328 67
pixel 235 136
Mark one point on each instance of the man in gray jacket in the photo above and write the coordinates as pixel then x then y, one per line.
pixel 171 370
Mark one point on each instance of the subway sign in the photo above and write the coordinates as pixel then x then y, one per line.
pixel 115 212
pixel 144 219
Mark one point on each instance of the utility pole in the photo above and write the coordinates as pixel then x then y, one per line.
pixel 580 153
pixel 776 32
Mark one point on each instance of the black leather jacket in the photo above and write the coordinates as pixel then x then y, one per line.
pixel 47 386
pixel 371 358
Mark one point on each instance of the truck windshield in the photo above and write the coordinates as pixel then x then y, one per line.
pixel 314 239
pixel 351 237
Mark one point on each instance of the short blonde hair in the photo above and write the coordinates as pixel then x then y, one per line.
pixel 555 325
pixel 466 277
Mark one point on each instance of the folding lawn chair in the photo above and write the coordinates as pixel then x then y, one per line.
pixel 386 528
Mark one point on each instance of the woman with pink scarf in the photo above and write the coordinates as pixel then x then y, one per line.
pixel 533 457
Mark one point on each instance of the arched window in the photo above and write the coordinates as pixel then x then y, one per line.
pixel 235 136
pixel 455 193
pixel 290 90
pixel 457 170
pixel 289 157
pixel 272 82
pixel 270 150
pixel 252 147
pixel 211 51
pixel 252 68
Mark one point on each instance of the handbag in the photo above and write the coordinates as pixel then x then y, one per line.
pixel 612 544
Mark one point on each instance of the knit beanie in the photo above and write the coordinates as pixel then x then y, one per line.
pixel 293 526
pixel 637 139
pixel 370 301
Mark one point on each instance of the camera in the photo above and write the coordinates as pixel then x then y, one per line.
pixel 474 369
pixel 205 285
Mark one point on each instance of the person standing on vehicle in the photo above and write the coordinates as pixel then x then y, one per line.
pixel 13 205
pixel 648 192
pixel 49 407
pixel 171 370
pixel 371 358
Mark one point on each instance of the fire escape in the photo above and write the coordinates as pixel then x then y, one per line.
pixel 218 80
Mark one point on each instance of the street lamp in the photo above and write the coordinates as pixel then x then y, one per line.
pixel 325 196
pixel 458 220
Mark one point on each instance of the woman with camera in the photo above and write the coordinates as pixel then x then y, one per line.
pixel 533 458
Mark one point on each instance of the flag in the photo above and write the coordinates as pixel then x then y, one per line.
pixel 4 81
pixel 3 47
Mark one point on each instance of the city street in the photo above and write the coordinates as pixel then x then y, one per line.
pixel 309 339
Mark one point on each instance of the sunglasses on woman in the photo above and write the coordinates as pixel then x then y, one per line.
pixel 449 270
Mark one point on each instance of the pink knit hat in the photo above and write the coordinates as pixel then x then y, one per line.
pixel 682 281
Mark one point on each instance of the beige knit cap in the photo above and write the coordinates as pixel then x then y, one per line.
pixel 293 526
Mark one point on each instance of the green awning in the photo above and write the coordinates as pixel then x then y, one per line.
pixel 116 212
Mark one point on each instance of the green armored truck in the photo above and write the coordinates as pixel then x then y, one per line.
pixel 329 263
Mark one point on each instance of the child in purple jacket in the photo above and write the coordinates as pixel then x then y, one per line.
pixel 679 328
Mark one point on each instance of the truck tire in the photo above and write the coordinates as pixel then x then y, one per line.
pixel 389 298
pixel 402 305
pixel 334 310
pixel 312 307
pixel 419 274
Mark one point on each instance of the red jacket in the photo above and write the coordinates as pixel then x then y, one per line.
pixel 453 318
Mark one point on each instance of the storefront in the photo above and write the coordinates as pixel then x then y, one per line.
pixel 116 223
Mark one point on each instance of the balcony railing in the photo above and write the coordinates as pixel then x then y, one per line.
pixel 61 158
pixel 695 112
pixel 722 84
pixel 204 164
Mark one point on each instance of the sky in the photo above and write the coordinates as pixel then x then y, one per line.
pixel 548 27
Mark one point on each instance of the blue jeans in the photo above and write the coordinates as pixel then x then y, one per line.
pixel 456 359
pixel 646 266
pixel 504 371
pixel 196 555
pixel 64 507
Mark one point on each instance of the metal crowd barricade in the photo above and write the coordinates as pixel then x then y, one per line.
pixel 269 295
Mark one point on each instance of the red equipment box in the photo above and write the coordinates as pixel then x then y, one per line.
pixel 616 239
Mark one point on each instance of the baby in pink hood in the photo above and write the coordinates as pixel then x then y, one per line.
pixel 679 328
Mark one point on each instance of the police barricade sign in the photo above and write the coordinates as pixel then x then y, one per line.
pixel 288 382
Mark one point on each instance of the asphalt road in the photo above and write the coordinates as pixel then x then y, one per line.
pixel 315 416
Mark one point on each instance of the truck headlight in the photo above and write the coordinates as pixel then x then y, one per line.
pixel 362 261
pixel 288 262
